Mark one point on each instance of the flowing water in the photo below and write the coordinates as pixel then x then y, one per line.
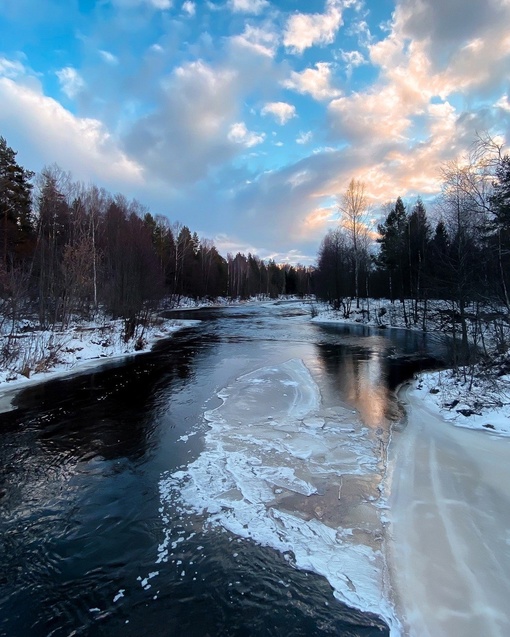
pixel 227 483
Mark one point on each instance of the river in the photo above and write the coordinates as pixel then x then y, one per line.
pixel 227 483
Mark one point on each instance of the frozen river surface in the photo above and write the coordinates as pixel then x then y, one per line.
pixel 228 483
pixel 450 531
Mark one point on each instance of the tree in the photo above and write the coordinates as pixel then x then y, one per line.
pixel 354 208
pixel 418 235
pixel 16 226
pixel 393 242
pixel 334 270
pixel 500 206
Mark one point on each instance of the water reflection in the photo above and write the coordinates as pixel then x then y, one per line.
pixel 80 460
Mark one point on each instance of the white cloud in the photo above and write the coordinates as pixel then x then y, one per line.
pixel 239 134
pixel 189 8
pixel 161 5
pixel 248 6
pixel 304 138
pixel 82 145
pixel 351 59
pixel 304 30
pixel 503 102
pixel 263 41
pixel 11 68
pixel 195 127
pixel 315 82
pixel 109 57
pixel 71 81
pixel 282 111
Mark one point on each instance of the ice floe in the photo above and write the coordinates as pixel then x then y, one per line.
pixel 280 469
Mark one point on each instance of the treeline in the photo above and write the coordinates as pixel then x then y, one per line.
pixel 68 249
pixel 461 257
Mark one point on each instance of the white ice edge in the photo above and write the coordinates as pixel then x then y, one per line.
pixel 266 437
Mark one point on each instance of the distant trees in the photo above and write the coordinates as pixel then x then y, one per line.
pixel 67 249
pixel 463 259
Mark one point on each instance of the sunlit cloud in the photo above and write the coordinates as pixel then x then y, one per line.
pixel 304 30
pixel 189 8
pixel 261 41
pixel 82 145
pixel 282 111
pixel 313 81
pixel 109 57
pixel 239 134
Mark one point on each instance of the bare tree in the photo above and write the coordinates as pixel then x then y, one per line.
pixel 355 221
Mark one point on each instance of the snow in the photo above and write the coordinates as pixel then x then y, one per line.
pixel 44 355
pixel 284 480
pixel 448 501
pixel 479 401
pixel 485 406
pixel 449 508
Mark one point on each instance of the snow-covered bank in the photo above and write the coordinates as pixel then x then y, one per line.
pixel 43 355
pixel 483 405
pixel 449 508
pixel 476 399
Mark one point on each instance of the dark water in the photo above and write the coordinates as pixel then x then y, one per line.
pixel 80 462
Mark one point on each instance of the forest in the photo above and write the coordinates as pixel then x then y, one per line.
pixel 453 265
pixel 69 249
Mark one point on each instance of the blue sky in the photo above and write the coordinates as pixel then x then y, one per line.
pixel 246 119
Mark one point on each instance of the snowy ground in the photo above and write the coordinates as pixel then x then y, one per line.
pixel 478 402
pixel 449 507
pixel 41 355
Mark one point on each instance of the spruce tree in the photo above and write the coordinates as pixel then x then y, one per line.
pixel 16 227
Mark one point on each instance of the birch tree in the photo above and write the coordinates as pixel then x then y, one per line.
pixel 355 221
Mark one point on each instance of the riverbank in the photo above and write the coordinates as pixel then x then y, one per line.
pixel 449 515
pixel 38 356
pixel 445 489
pixel 474 398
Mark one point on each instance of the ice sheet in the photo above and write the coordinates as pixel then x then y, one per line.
pixel 450 515
pixel 278 470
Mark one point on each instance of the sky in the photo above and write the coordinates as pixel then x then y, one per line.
pixel 246 119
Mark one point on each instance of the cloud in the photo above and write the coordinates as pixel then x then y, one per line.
pixel 71 81
pixel 351 59
pixel 282 111
pixel 155 4
pixel 187 132
pixel 239 134
pixel 109 57
pixel 304 138
pixel 189 8
pixel 443 23
pixel 304 30
pixel 53 134
pixel 11 68
pixel 313 81
pixel 248 6
pixel 262 41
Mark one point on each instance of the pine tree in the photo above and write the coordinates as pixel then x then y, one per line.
pixel 16 227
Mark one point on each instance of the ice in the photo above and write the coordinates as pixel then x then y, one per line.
pixel 273 468
pixel 450 515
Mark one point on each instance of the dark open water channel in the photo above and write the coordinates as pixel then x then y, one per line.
pixel 81 460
